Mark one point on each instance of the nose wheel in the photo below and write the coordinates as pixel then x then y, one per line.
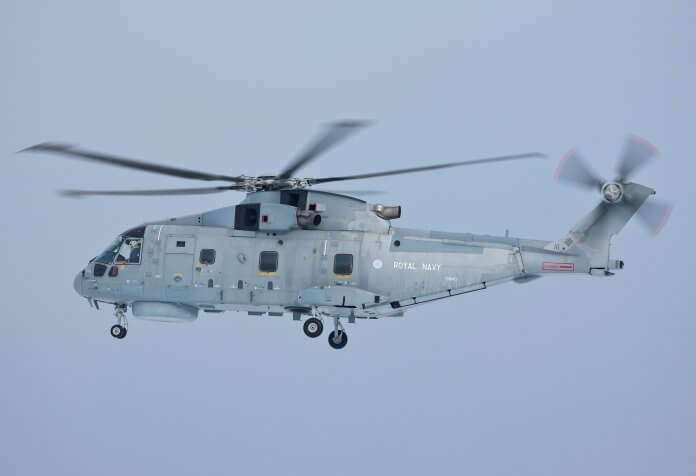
pixel 120 329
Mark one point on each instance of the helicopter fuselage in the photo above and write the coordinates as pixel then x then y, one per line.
pixel 350 263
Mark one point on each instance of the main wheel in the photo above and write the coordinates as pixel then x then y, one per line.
pixel 119 332
pixel 313 327
pixel 338 341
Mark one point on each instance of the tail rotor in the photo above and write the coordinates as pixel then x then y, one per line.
pixel 637 152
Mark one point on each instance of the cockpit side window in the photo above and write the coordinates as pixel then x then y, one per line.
pixel 126 249
pixel 129 252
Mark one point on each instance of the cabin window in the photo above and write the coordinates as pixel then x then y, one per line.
pixel 268 261
pixel 343 264
pixel 207 256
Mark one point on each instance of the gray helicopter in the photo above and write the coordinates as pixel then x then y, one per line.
pixel 318 255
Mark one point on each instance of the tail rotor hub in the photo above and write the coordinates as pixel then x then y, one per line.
pixel 612 192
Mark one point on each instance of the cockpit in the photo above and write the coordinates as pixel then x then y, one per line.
pixel 125 249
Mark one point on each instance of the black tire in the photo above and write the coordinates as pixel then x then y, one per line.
pixel 313 327
pixel 123 334
pixel 118 332
pixel 342 340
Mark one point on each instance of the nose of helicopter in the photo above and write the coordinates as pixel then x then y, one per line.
pixel 77 283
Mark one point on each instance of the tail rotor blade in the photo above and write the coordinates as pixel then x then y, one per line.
pixel 573 169
pixel 637 152
pixel 655 214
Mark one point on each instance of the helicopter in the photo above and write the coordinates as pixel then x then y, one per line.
pixel 319 256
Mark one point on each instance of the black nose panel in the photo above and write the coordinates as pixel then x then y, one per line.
pixel 99 270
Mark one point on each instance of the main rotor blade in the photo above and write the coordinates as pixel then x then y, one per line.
pixel 351 192
pixel 428 167
pixel 143 193
pixel 573 169
pixel 655 214
pixel 637 152
pixel 75 152
pixel 334 133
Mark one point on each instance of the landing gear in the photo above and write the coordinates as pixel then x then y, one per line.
pixel 338 337
pixel 313 327
pixel 120 329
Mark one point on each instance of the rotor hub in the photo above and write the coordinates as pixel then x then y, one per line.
pixel 612 192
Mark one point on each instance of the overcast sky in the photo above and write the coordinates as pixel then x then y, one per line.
pixel 561 376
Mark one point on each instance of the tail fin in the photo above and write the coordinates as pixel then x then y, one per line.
pixel 592 235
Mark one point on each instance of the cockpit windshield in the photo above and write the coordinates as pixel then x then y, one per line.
pixel 107 257
pixel 126 249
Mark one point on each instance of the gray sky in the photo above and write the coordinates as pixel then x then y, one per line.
pixel 571 376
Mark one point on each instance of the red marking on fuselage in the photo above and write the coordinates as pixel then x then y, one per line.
pixel 553 266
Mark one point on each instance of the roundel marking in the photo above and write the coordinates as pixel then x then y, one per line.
pixel 377 264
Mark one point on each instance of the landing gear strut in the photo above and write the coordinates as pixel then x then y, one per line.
pixel 120 329
pixel 338 337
